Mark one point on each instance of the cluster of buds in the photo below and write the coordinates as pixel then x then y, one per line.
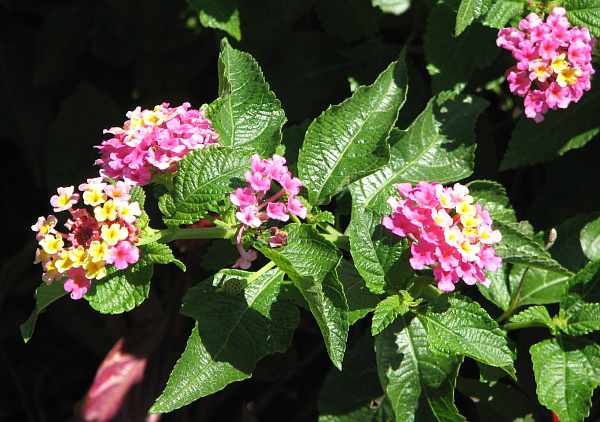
pixel 153 141
pixel 554 62
pixel 262 200
pixel 446 231
pixel 103 233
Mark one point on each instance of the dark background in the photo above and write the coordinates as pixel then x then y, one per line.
pixel 69 69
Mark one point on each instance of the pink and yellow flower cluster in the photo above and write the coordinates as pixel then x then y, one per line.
pixel 554 62
pixel 103 233
pixel 254 202
pixel 153 141
pixel 447 232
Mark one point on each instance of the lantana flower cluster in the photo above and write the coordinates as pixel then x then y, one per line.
pixel 154 141
pixel 262 200
pixel 447 232
pixel 103 233
pixel 554 62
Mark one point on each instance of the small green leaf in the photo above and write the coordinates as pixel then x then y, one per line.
pixel 349 141
pixel 408 367
pixel 44 296
pixel 235 329
pixel 462 326
pixel 498 292
pixel 590 240
pixel 121 291
pixel 438 146
pixel 311 262
pixel 584 13
pixel 219 14
pixel 247 113
pixel 395 7
pixel 582 318
pixel 159 253
pixel 205 177
pixel 387 311
pixel 566 374
pixel 535 316
pixel 502 12
pixel 377 254
pixel 468 11
pixel 538 286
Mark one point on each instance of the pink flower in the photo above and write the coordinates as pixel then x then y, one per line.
pixel 153 141
pixel 44 226
pixel 448 234
pixel 554 62
pixel 77 284
pixel 123 254
pixel 258 181
pixel 118 191
pixel 249 216
pixel 65 199
pixel 278 238
pixel 243 197
pixel 296 207
pixel 277 211
pixel 290 184
pixel 245 260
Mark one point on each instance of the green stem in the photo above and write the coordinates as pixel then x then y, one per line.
pixel 337 238
pixel 168 235
pixel 514 301
pixel 260 272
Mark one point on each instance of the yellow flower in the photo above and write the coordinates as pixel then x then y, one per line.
pixel 469 220
pixel 94 269
pixel 568 76
pixel 113 234
pixel 52 244
pixel 98 251
pixel 469 251
pixel 466 209
pixel 78 256
pixel 470 231
pixel 64 262
pixel 108 211
pixel 559 63
pixel 94 197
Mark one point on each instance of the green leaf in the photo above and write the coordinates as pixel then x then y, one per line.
pixel 535 316
pixel 502 12
pixel 582 318
pixel 408 367
pixel 560 132
pixel 453 60
pixel 219 14
pixel 518 247
pixel 438 146
pixel 360 300
pixel 566 374
pixel 349 140
pixel 44 296
pixel 387 311
pixel 376 253
pixel 235 329
pixel 584 13
pixel 121 291
pixel 537 285
pixel 498 291
pixel 590 240
pixel 354 395
pixel 138 195
pixel 205 177
pixel 311 262
pixel 462 326
pixel 468 11
pixel 395 7
pixel 587 276
pixel 247 113
pixel 159 253
pixel 493 198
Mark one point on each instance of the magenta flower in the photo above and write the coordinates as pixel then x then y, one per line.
pixel 123 254
pixel 245 260
pixel 446 231
pixel 554 62
pixel 153 141
pixel 277 211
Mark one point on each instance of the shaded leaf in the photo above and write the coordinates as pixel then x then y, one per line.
pixel 159 253
pixel 502 12
pixel 219 14
pixel 582 318
pixel 387 311
pixel 590 240
pixel 468 11
pixel 45 295
pixel 360 300
pixel 537 316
